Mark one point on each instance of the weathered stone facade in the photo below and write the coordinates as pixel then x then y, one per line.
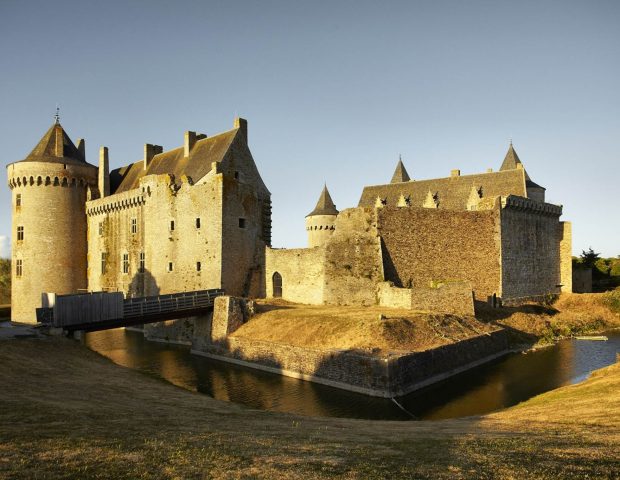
pixel 493 231
pixel 195 217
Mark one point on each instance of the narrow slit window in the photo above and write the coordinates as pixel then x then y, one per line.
pixel 170 266
pixel 141 268
pixel 242 223
pixel 19 268
pixel 20 233
pixel 125 263
pixel 104 258
pixel 171 225
pixel 198 266
pixel 134 225
pixel 100 229
pixel 198 223
pixel 18 200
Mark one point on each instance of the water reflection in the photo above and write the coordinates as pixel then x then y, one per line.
pixel 496 385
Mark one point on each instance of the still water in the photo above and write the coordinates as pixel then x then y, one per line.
pixel 498 384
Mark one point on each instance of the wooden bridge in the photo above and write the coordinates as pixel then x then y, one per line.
pixel 103 310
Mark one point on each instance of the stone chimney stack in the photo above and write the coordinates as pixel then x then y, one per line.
pixel 455 173
pixel 190 140
pixel 242 124
pixel 149 152
pixel 81 146
pixel 104 172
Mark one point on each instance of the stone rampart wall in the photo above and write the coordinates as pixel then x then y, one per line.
pixel 452 297
pixel 421 246
pixel 353 265
pixel 302 271
pixel 530 252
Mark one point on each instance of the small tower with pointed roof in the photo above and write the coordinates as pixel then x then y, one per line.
pixel 49 190
pixel 321 222
pixel 400 174
pixel 513 162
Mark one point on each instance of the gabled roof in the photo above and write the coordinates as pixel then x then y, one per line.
pixel 400 174
pixel 56 147
pixel 452 193
pixel 197 165
pixel 325 205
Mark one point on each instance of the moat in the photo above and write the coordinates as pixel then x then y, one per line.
pixel 498 384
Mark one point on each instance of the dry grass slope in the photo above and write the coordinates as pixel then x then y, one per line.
pixel 67 413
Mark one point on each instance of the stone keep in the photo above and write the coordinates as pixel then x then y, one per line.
pixel 49 192
pixel 194 217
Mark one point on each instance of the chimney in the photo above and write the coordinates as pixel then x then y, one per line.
pixel 489 170
pixel 455 173
pixel 81 146
pixel 190 140
pixel 242 125
pixel 104 172
pixel 149 152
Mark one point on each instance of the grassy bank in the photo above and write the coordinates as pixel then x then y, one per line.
pixel 379 330
pixel 66 412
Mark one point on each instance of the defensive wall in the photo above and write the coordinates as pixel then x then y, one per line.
pixel 383 376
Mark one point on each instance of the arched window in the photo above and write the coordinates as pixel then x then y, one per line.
pixel 277 285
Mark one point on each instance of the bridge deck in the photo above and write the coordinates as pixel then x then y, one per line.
pixel 81 312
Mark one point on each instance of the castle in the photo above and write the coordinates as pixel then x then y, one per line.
pixel 199 217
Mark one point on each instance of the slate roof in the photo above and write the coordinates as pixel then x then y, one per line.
pixel 400 174
pixel 45 151
pixel 196 166
pixel 325 205
pixel 452 192
pixel 511 160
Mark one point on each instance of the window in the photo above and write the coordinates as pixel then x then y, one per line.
pixel 19 268
pixel 100 229
pixel 171 225
pixel 134 225
pixel 104 258
pixel 198 223
pixel 242 223
pixel 198 266
pixel 236 175
pixel 18 200
pixel 170 267
pixel 141 267
pixel 20 233
pixel 125 263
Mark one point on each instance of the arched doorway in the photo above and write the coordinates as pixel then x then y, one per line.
pixel 277 285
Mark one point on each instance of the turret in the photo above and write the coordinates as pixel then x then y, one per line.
pixel 321 222
pixel 49 221
pixel 400 174
pixel 512 162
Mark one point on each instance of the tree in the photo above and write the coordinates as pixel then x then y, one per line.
pixel 589 258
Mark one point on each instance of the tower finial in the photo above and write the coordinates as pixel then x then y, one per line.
pixel 57 115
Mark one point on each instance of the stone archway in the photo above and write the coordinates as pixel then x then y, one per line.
pixel 277 285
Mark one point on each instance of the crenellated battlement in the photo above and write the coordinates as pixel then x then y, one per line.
pixel 515 202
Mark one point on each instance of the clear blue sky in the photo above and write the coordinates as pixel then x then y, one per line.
pixel 333 91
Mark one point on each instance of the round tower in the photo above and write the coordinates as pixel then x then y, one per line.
pixel 321 222
pixel 49 221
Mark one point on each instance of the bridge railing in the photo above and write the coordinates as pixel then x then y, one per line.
pixel 145 306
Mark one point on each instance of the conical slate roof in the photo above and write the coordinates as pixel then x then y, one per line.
pixel 57 147
pixel 325 205
pixel 511 160
pixel 400 174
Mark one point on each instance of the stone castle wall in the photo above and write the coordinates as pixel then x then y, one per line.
pixel 353 265
pixel 452 297
pixel 319 229
pixel 566 256
pixel 53 249
pixel 302 271
pixel 421 246
pixel 530 249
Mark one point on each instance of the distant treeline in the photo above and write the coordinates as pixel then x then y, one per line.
pixel 605 271
pixel 5 281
